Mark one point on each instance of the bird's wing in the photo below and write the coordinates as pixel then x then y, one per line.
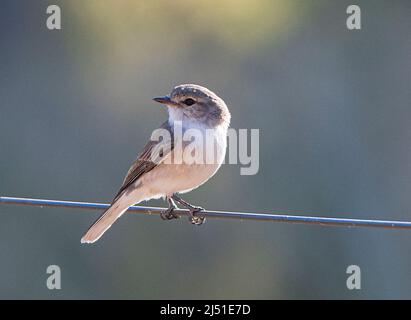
pixel 152 155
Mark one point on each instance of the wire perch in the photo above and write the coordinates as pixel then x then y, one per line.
pixel 322 221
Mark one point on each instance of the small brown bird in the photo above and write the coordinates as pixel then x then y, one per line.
pixel 196 111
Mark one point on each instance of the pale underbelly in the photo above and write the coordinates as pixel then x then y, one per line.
pixel 170 177
pixel 167 179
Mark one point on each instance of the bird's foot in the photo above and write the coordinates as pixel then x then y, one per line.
pixel 168 214
pixel 194 218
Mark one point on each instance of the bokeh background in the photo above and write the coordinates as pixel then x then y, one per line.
pixel 333 109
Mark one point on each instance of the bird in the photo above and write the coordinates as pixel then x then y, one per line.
pixel 165 167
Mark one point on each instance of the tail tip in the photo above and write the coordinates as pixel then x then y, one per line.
pixel 86 240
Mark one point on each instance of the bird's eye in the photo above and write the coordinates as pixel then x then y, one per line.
pixel 189 102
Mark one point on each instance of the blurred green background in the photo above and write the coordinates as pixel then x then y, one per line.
pixel 333 109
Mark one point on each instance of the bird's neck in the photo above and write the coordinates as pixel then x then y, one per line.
pixel 178 118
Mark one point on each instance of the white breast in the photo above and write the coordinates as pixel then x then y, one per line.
pixel 170 177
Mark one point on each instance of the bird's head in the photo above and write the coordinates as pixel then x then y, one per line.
pixel 190 102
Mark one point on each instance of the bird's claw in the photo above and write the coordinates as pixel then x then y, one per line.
pixel 194 218
pixel 168 214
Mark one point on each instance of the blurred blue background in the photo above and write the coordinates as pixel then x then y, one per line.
pixel 332 106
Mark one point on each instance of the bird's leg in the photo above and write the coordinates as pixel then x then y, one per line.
pixel 194 219
pixel 168 213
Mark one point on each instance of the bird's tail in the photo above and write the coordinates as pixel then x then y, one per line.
pixel 116 210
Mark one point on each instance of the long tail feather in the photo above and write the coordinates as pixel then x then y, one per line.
pixel 105 221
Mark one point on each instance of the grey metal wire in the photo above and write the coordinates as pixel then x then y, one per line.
pixel 322 221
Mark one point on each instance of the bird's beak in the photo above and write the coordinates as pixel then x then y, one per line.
pixel 166 100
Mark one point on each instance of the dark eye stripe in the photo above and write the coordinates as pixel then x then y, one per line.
pixel 189 102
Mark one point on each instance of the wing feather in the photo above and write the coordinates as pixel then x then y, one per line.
pixel 152 155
